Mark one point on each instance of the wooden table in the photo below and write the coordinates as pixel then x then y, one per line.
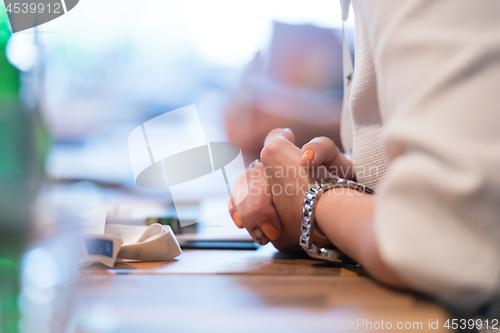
pixel 242 291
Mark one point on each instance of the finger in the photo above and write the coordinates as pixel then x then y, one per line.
pixel 264 213
pixel 322 151
pixel 279 152
pixel 258 215
pixel 288 181
pixel 280 134
pixel 234 214
pixel 238 187
pixel 242 213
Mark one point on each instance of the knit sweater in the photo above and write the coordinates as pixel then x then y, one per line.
pixel 425 114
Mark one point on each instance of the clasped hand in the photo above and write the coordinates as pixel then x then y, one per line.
pixel 276 187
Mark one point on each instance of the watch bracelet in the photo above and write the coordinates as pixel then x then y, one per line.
pixel 308 218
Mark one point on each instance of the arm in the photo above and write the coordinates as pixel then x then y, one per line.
pixel 347 220
pixel 438 72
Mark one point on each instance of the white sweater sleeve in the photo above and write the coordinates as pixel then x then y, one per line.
pixel 438 80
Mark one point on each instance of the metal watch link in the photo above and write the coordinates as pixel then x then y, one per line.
pixel 308 218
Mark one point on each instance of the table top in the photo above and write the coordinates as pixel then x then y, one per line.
pixel 242 291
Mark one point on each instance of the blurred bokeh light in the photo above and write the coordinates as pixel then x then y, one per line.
pixel 106 66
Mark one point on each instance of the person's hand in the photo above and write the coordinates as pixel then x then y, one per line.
pixel 322 151
pixel 288 182
pixel 272 210
pixel 256 212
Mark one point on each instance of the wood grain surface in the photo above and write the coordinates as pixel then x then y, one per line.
pixel 243 291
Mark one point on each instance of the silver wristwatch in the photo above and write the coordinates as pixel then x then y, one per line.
pixel 308 218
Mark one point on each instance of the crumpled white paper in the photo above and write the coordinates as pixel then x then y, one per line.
pixel 144 243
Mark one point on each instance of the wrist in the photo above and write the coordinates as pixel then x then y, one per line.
pixel 309 223
pixel 347 220
pixel 342 215
pixel 325 213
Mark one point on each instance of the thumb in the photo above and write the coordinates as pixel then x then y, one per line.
pixel 280 134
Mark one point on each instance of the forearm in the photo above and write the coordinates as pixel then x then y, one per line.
pixel 346 218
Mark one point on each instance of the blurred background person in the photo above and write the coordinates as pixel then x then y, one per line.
pixel 101 76
pixel 295 82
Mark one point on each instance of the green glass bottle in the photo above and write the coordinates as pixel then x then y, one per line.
pixel 19 167
pixel 12 186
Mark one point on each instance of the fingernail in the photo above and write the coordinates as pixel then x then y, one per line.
pixel 270 230
pixel 307 155
pixel 259 237
pixel 237 220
